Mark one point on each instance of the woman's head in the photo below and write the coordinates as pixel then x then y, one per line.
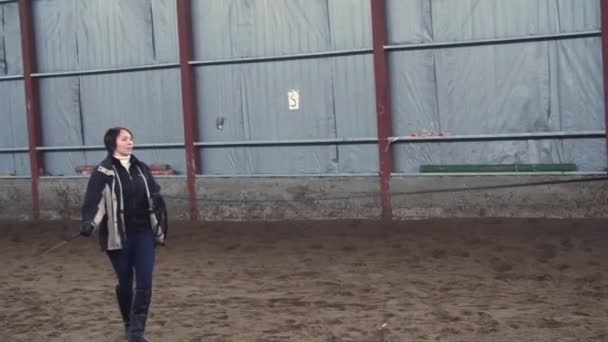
pixel 118 140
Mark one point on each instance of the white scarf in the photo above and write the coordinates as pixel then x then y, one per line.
pixel 124 160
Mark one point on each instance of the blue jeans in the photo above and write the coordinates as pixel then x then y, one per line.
pixel 135 258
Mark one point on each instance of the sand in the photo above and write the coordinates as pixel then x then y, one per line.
pixel 438 280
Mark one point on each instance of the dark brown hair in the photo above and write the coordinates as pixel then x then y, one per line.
pixel 109 139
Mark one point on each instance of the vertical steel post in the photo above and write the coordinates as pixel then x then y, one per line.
pixel 32 98
pixel 189 102
pixel 383 104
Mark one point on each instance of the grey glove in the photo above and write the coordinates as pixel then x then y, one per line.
pixel 87 228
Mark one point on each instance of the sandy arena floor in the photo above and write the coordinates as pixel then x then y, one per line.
pixel 440 280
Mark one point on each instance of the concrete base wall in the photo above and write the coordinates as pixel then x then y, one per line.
pixel 290 198
pixel 583 199
pixel 15 199
pixel 297 198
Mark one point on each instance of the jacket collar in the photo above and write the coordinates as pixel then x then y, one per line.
pixel 108 162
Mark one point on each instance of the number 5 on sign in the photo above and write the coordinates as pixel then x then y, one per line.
pixel 294 99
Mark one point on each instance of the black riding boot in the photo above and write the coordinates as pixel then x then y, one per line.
pixel 139 314
pixel 125 299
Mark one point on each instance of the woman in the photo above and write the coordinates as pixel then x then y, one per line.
pixel 123 204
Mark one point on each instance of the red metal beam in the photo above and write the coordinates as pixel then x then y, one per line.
pixel 189 104
pixel 604 16
pixel 32 100
pixel 383 104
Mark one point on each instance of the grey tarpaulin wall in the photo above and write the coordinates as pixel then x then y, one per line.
pixel 13 123
pixel 513 88
pixel 85 35
pixel 337 94
pixel 518 88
